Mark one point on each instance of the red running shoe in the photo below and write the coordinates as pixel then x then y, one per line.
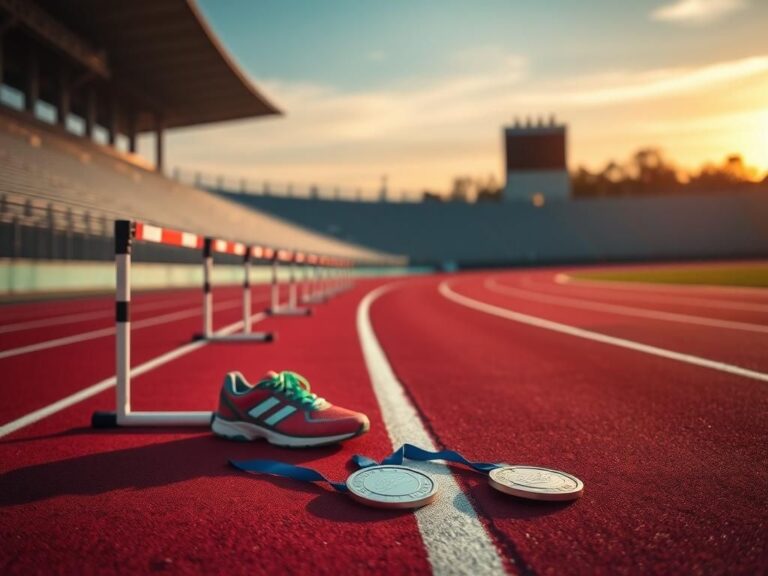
pixel 282 409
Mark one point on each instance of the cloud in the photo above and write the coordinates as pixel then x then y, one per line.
pixel 424 131
pixel 376 56
pixel 696 11
pixel 666 82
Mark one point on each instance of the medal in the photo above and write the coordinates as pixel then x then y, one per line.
pixel 531 482
pixel 385 486
pixel 535 483
pixel 392 487
pixel 389 484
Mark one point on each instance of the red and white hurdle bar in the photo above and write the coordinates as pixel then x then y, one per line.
pixel 125 233
pixel 326 277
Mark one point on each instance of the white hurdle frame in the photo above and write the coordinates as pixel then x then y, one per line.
pixel 291 308
pixel 314 293
pixel 209 247
pixel 125 233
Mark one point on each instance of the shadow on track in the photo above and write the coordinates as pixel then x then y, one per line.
pixel 493 504
pixel 139 467
pixel 340 508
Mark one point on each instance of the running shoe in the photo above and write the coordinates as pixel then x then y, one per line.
pixel 282 409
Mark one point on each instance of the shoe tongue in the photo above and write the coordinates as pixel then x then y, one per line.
pixel 267 378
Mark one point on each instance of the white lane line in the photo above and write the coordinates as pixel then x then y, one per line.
pixel 494 286
pixel 86 393
pixel 55 321
pixel 652 298
pixel 101 333
pixel 85 316
pixel 448 293
pixel 455 540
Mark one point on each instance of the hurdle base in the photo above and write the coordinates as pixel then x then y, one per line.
pixel 315 299
pixel 287 311
pixel 104 420
pixel 113 420
pixel 239 337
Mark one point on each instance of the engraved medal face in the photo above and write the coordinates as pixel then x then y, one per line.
pixel 392 487
pixel 536 483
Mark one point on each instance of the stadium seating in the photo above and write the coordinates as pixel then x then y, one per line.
pixel 588 230
pixel 52 179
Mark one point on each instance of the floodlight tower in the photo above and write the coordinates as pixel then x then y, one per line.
pixel 535 161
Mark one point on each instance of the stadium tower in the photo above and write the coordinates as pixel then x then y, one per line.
pixel 535 162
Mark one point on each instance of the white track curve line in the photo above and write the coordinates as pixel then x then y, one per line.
pixel 102 332
pixel 605 307
pixel 99 387
pixel 652 298
pixel 455 540
pixel 663 287
pixel 448 293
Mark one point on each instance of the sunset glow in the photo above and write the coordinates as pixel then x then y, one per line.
pixel 421 94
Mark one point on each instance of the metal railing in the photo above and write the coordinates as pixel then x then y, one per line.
pixel 285 189
pixel 33 228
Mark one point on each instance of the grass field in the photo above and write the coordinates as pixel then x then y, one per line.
pixel 751 275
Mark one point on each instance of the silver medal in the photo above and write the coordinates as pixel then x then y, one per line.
pixel 392 486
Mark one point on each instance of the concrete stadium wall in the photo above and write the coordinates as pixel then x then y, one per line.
pixel 523 184
pixel 589 230
pixel 30 276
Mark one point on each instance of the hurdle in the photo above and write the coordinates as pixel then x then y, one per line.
pixel 314 293
pixel 224 247
pixel 291 307
pixel 126 232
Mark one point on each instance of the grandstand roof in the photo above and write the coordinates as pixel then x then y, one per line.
pixel 165 53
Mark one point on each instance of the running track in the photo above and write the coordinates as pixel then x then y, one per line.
pixel 500 365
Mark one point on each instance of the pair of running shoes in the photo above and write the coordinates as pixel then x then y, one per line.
pixel 282 409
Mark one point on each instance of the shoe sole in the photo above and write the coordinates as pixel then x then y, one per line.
pixel 246 432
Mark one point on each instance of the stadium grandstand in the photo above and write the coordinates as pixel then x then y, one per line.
pixel 81 81
pixel 559 231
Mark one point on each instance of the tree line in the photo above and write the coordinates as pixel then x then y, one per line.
pixel 647 172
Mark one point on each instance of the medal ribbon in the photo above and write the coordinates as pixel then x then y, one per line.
pixel 411 452
pixel 405 452
pixel 276 468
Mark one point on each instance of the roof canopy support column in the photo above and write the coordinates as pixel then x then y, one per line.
pixel 159 136
pixel 132 133
pixel 113 116
pixel 90 111
pixel 32 92
pixel 65 96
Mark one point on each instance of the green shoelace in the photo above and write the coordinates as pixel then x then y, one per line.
pixel 294 387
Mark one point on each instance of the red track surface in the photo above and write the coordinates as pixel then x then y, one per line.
pixel 673 456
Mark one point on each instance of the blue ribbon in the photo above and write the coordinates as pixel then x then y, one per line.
pixel 276 468
pixel 405 452
pixel 411 452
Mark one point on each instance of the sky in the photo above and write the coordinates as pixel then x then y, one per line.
pixel 419 90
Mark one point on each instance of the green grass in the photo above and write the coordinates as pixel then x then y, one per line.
pixel 752 275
